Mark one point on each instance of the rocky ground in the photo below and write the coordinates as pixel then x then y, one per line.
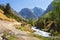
pixel 21 35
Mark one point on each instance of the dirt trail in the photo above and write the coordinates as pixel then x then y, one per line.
pixel 20 34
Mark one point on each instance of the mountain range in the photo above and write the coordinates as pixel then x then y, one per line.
pixel 31 13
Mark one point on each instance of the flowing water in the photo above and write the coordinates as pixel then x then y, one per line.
pixel 40 32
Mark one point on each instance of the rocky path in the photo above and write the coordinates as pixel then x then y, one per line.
pixel 20 34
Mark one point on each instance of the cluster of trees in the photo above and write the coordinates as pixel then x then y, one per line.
pixel 39 23
pixel 52 16
pixel 31 21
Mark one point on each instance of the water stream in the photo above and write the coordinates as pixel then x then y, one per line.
pixel 40 32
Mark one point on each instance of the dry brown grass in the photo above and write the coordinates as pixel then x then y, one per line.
pixel 4 17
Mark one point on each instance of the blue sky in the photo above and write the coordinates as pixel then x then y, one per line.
pixel 19 4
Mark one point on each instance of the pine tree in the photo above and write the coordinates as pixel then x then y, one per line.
pixel 8 6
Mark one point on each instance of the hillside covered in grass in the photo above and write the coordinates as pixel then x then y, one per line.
pixel 9 12
pixel 4 17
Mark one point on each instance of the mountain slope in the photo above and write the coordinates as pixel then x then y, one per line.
pixel 49 8
pixel 17 14
pixel 11 13
pixel 4 17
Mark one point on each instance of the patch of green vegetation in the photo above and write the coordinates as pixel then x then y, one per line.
pixel 40 37
pixel 31 21
pixel 12 37
pixel 20 28
pixel 44 38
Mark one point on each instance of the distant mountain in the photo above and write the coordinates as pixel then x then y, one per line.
pixel 27 13
pixel 38 11
pixel 31 13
